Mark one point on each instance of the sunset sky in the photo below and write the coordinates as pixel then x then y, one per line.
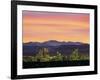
pixel 39 26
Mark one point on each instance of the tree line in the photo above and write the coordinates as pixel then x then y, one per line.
pixel 44 56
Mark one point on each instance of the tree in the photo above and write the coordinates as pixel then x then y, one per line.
pixel 34 59
pixel 43 55
pixel 27 59
pixel 65 58
pixel 84 57
pixel 75 55
pixel 45 52
pixel 58 57
pixel 39 55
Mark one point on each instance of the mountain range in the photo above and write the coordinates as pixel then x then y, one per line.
pixel 66 48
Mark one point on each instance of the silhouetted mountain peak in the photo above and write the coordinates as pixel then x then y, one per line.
pixel 53 43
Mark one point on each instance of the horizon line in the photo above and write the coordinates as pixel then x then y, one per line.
pixel 55 40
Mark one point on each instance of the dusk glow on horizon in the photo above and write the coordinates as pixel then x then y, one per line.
pixel 40 26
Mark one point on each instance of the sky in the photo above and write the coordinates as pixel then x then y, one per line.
pixel 39 26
